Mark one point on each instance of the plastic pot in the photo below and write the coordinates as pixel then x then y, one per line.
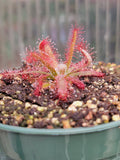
pixel 94 143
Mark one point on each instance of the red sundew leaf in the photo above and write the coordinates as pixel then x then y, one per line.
pixel 11 73
pixel 87 72
pixel 95 73
pixel 30 58
pixel 71 47
pixel 76 67
pixel 77 82
pixel 38 84
pixel 45 60
pixel 47 53
pixel 84 48
pixel 86 55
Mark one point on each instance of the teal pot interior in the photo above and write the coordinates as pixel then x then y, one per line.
pixel 93 143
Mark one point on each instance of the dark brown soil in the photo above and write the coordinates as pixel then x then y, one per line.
pixel 98 103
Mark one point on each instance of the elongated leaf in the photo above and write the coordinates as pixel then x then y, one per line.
pixel 71 47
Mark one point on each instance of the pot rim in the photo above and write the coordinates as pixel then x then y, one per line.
pixel 59 131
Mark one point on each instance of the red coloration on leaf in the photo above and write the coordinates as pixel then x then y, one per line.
pixel 43 44
pixel 48 55
pixel 30 58
pixel 71 46
pixel 38 84
pixel 78 83
pixel 42 69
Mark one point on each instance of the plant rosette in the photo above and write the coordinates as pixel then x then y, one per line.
pixel 47 97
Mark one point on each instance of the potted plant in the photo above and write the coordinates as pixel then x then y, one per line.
pixel 54 109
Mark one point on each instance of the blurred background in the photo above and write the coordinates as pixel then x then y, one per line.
pixel 23 22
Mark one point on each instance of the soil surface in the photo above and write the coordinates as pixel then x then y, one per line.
pixel 98 103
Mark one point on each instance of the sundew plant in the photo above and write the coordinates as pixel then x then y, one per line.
pixel 43 69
